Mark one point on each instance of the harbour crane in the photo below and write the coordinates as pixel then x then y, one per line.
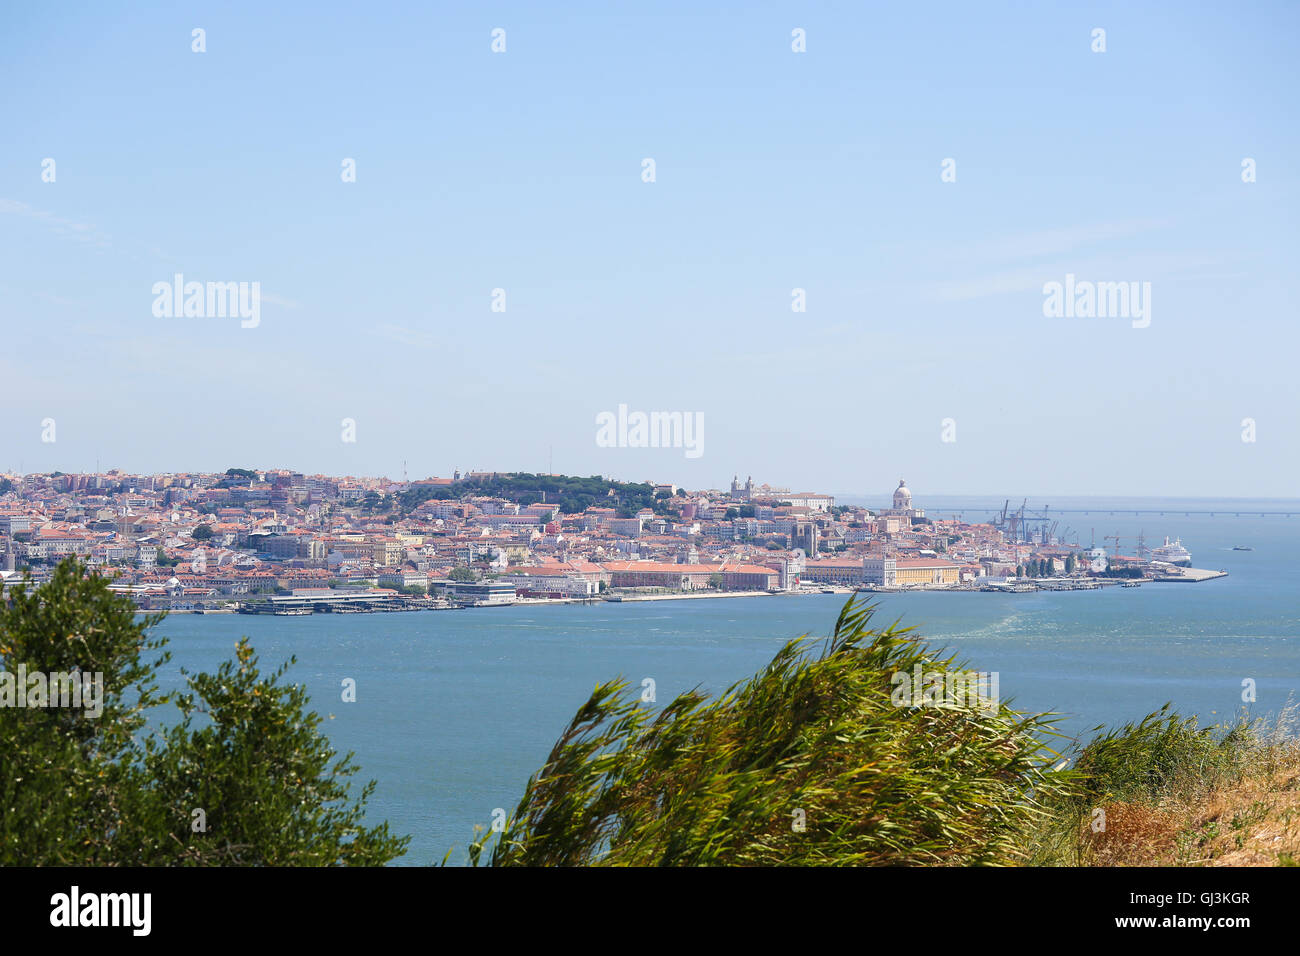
pixel 1017 521
pixel 1116 539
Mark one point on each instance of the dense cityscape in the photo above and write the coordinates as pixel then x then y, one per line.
pixel 287 543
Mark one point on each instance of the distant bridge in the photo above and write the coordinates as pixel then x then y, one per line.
pixel 1039 516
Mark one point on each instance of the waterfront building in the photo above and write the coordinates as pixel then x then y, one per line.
pixel 550 582
pixel 926 571
pixel 656 574
pixel 476 592
pixel 750 577
pixel 399 578
pixel 690 577
pixel 880 570
pixel 844 572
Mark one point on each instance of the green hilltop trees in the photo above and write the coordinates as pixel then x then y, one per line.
pixel 246 752
pixel 571 494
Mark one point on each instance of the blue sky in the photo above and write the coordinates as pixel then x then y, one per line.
pixel 774 170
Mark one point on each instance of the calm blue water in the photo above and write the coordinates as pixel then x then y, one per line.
pixel 455 709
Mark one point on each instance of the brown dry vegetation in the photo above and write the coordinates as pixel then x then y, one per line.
pixel 1250 817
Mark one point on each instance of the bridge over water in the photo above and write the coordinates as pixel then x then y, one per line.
pixel 1041 515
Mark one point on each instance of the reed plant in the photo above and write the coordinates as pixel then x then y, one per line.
pixel 811 762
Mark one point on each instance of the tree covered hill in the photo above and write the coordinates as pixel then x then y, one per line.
pixel 571 494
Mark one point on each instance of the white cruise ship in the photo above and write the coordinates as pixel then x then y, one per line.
pixel 1173 553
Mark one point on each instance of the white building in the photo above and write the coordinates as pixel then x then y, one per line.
pixel 880 571
pixel 903 503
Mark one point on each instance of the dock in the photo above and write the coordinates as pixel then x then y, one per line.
pixel 1190 575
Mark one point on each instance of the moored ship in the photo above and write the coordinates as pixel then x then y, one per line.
pixel 1173 553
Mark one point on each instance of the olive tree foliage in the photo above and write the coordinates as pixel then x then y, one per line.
pixel 239 775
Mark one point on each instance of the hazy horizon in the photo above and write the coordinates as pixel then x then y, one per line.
pixel 884 495
pixel 914 184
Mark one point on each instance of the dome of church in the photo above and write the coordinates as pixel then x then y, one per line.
pixel 902 497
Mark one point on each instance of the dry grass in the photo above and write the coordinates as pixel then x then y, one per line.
pixel 1135 835
pixel 1250 819
pixel 1255 823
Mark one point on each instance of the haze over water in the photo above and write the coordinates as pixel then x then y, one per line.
pixel 456 709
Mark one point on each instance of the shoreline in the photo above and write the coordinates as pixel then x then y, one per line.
pixel 1192 576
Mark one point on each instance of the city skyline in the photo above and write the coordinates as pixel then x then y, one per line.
pixel 815 178
pixel 766 484
pixel 312 541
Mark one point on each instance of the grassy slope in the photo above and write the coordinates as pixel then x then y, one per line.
pixel 1173 794
pixel 1253 820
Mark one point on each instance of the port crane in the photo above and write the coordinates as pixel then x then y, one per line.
pixel 1018 522
pixel 1009 522
pixel 1116 539
pixel 1024 521
pixel 1021 526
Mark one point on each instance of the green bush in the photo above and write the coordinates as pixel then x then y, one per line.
pixel 114 789
pixel 813 739
pixel 1161 756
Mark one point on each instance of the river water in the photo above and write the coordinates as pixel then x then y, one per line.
pixel 455 709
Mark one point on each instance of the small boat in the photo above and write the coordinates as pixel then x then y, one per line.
pixel 1130 584
pixel 1240 548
